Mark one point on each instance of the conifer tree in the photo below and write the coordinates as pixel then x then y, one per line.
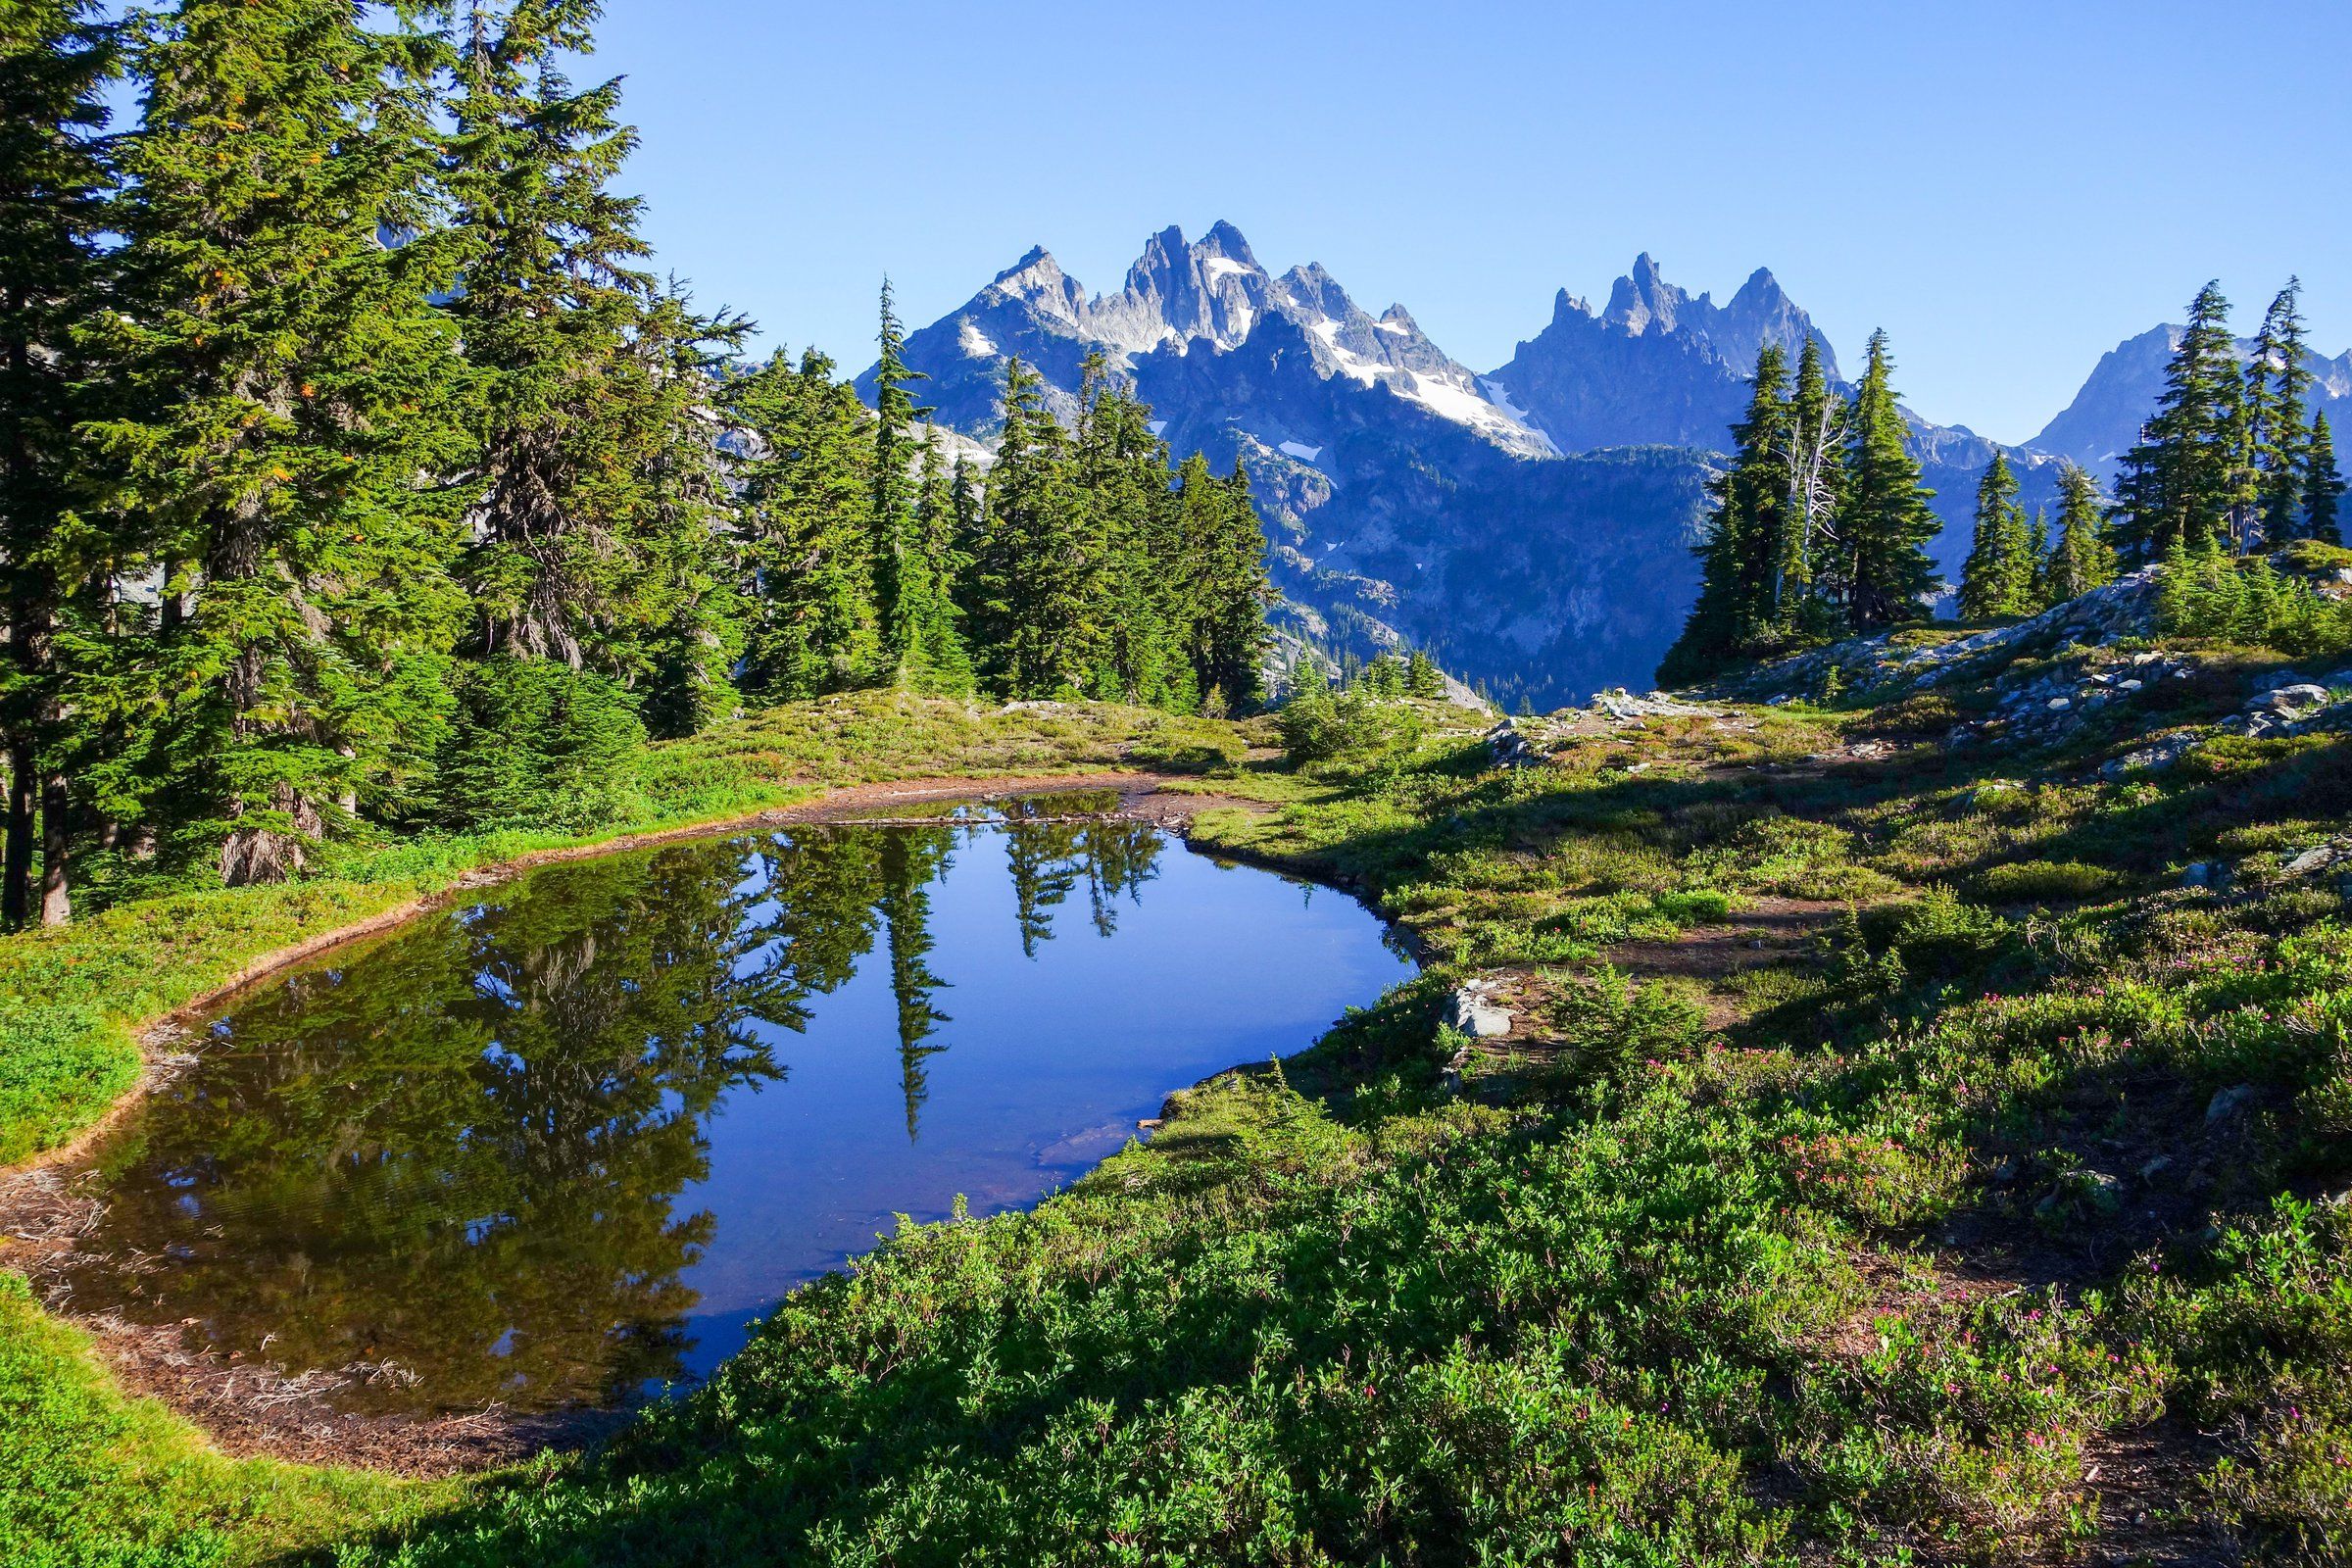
pixel 1224 547
pixel 1744 539
pixel 907 600
pixel 2278 388
pixel 1884 527
pixel 2322 486
pixel 806 518
pixel 55 56
pixel 285 384
pixel 1421 676
pixel 2081 559
pixel 1122 476
pixel 1998 578
pixel 2180 482
pixel 1816 466
pixel 937 660
pixel 584 368
pixel 1037 574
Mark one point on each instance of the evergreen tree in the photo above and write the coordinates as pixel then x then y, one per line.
pixel 285 384
pixel 2081 559
pixel 2322 485
pixel 937 660
pixel 1122 474
pixel 1038 571
pixel 910 602
pixel 1224 547
pixel 1884 525
pixel 1998 578
pixel 1421 676
pixel 55 56
pixel 2180 485
pixel 805 519
pixel 2277 387
pixel 587 374
pixel 1743 546
pixel 1816 465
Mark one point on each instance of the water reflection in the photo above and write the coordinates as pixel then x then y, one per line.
pixel 475 1159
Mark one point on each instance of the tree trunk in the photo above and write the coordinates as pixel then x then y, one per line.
pixel 57 902
pixel 16 860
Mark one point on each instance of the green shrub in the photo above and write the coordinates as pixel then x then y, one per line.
pixel 2044 882
pixel 2247 601
pixel 1609 1023
pixel 540 746
pixel 1318 727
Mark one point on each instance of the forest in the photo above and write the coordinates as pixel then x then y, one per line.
pixel 359 474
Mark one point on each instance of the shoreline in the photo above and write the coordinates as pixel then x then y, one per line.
pixel 247 1410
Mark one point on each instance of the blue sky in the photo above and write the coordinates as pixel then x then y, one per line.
pixel 2008 188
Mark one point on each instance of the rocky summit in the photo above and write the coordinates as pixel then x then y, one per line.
pixel 1530 525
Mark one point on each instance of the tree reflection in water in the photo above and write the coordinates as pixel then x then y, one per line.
pixel 457 1151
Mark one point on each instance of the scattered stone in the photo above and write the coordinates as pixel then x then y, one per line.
pixel 1472 1011
pixel 2149 758
pixel 2227 1102
pixel 1618 703
pixel 2214 874
pixel 2320 858
pixel 2298 702
pixel 2155 1167
pixel 1510 747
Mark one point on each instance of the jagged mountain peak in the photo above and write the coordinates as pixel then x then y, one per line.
pixel 1642 299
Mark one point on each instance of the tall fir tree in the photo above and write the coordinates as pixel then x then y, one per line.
pixel 2277 391
pixel 2322 486
pixel 1998 578
pixel 1038 573
pixel 563 325
pixel 1223 548
pixel 1736 612
pixel 57 57
pixel 1884 525
pixel 937 661
pixel 2081 558
pixel 285 384
pixel 2181 484
pixel 911 601
pixel 1816 464
pixel 807 523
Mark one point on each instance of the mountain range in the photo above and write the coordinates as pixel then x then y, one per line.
pixel 1530 526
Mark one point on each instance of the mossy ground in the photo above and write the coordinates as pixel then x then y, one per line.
pixel 1891 1160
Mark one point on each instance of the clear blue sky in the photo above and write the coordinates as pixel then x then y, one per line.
pixel 2009 188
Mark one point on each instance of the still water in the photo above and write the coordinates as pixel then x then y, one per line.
pixel 568 1142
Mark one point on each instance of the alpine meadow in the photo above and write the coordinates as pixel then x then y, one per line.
pixel 1082 939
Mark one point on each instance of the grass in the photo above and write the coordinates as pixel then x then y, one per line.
pixel 1990 1207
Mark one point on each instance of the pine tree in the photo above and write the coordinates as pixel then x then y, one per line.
pixel 2277 387
pixel 1421 676
pixel 1122 476
pixel 286 383
pixel 937 661
pixel 806 518
pixel 1737 608
pixel 1037 574
pixel 1885 525
pixel 2081 559
pixel 1816 466
pixel 55 56
pixel 1998 578
pixel 2322 486
pixel 1223 544
pixel 2180 485
pixel 903 600
pixel 563 327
